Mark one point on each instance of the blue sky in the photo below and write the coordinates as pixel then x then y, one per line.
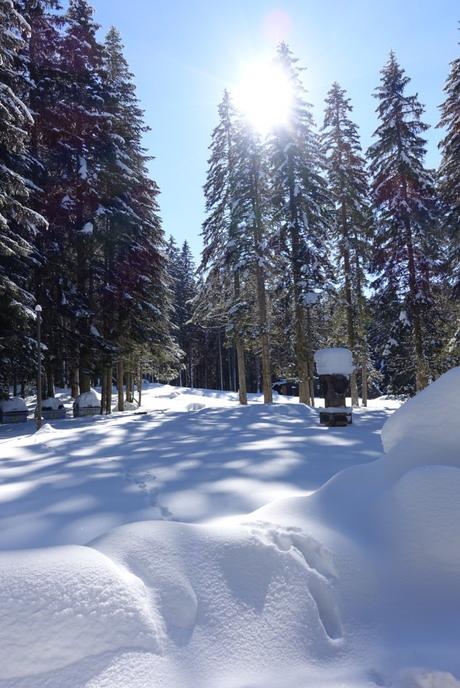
pixel 185 52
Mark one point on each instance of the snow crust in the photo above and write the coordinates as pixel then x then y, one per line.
pixel 332 361
pixel 354 584
pixel 13 404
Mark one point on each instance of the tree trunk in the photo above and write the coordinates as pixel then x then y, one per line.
pixel 108 399
pixel 264 340
pixel 364 381
pixel 301 347
pixel 103 391
pixel 120 374
pixel 242 390
pixel 50 392
pixel 75 382
pixel 139 384
pixel 421 372
pixel 349 304
pixel 221 367
pixel 310 359
pixel 129 387
pixel 85 369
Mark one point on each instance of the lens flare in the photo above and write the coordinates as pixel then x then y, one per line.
pixel 264 95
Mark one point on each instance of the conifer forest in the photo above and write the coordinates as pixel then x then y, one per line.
pixel 309 241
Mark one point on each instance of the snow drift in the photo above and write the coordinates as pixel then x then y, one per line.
pixel 355 585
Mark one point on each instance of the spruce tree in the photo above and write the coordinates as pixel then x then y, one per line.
pixel 19 223
pixel 302 208
pixel 250 240
pixel 136 285
pixel 449 170
pixel 220 259
pixel 349 189
pixel 404 203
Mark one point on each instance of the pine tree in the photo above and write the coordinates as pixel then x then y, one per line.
pixel 302 209
pixel 18 221
pixel 404 202
pixel 349 188
pixel 449 170
pixel 220 254
pixel 250 239
pixel 45 92
pixel 136 285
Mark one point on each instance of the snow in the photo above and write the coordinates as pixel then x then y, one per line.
pixel 332 361
pixel 429 418
pixel 88 228
pixel 205 544
pixel 12 405
pixel 52 403
pixel 88 399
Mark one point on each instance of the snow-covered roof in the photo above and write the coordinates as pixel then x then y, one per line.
pixel 13 405
pixel 334 361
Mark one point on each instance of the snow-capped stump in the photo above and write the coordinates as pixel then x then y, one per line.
pixel 334 368
pixel 52 409
pixel 87 404
pixel 13 410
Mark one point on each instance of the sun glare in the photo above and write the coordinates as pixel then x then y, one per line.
pixel 264 95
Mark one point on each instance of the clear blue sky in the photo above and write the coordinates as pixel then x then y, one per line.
pixel 185 52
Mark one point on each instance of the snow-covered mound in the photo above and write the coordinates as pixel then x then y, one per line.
pixel 63 604
pixel 88 399
pixel 52 403
pixel 13 405
pixel 429 419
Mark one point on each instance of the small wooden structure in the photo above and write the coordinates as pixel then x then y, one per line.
pixel 13 410
pixel 87 404
pixel 334 367
pixel 52 409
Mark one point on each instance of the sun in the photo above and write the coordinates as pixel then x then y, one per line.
pixel 264 96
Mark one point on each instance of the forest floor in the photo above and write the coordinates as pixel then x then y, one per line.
pixel 206 545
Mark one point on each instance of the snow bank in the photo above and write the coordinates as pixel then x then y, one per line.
pixel 59 605
pixel 332 361
pixel 88 399
pixel 13 405
pixel 431 418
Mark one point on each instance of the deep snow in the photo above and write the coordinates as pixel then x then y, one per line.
pixel 347 578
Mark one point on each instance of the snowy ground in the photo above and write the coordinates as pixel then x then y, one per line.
pixel 221 555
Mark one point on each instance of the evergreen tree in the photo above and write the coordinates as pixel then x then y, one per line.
pixel 45 93
pixel 18 221
pixel 449 171
pixel 250 239
pixel 302 208
pixel 348 185
pixel 404 202
pixel 221 259
pixel 136 285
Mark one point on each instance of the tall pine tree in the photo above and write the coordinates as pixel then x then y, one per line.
pixel 404 203
pixel 349 188
pixel 449 170
pixel 302 211
pixel 19 223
